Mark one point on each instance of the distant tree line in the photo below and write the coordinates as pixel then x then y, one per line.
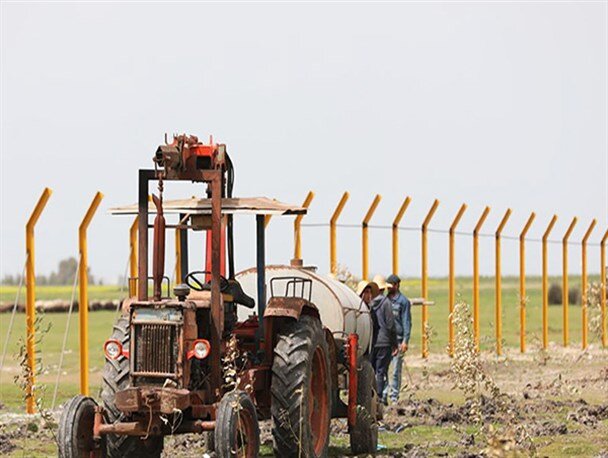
pixel 66 270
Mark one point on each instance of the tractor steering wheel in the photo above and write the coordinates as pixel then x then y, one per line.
pixel 195 284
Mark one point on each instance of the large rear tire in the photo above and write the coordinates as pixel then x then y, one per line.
pixel 237 432
pixel 364 435
pixel 300 390
pixel 116 378
pixel 75 434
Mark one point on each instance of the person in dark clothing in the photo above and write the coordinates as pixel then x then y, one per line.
pixel 384 338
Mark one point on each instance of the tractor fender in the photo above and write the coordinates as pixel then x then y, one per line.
pixel 290 307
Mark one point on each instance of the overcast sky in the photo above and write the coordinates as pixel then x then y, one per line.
pixel 499 104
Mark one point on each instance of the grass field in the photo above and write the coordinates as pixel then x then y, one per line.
pixel 45 293
pixel 562 381
pixel 100 326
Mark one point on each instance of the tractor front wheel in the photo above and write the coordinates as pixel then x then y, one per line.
pixel 237 432
pixel 75 435
pixel 300 390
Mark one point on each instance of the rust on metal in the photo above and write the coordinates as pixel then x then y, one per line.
pixel 353 378
pixel 287 306
pixel 163 400
pixel 158 256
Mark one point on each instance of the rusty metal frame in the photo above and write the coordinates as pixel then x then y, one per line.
pixel 214 179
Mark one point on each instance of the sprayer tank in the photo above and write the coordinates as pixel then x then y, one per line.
pixel 341 310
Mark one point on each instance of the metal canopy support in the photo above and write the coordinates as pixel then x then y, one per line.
pixel 181 251
pixel 261 270
pixel 142 236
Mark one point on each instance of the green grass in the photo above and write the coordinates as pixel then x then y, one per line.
pixel 45 293
pixel 100 326
pixel 438 313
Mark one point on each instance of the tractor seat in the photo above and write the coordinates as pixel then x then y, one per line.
pixel 236 291
pixel 231 291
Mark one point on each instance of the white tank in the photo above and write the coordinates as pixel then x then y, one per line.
pixel 341 310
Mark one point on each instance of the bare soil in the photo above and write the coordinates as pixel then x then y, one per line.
pixel 552 403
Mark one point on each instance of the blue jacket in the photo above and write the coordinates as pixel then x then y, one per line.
pixel 402 312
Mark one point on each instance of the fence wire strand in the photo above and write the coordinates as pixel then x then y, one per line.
pixel 65 334
pixel 446 231
pixel 12 320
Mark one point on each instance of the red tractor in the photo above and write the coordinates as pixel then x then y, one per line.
pixel 214 354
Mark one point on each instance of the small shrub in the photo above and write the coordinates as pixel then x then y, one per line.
pixel 555 294
pixel 574 295
pixel 594 304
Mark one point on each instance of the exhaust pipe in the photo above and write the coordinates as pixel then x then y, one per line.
pixel 158 253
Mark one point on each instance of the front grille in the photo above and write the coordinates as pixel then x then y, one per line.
pixel 155 349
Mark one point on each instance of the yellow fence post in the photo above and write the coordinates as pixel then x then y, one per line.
pixel 498 280
pixel 452 278
pixel 522 283
pixel 132 282
pixel 546 283
pixel 424 280
pixel 395 234
pixel 297 227
pixel 333 250
pixel 30 303
pixel 603 288
pixel 365 236
pixel 584 282
pixel 83 298
pixel 565 299
pixel 476 231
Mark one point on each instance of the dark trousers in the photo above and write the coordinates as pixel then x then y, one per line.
pixel 381 359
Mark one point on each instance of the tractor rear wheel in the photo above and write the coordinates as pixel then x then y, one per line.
pixel 300 390
pixel 237 432
pixel 364 435
pixel 75 434
pixel 116 378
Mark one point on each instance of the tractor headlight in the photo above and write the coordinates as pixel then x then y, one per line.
pixel 200 349
pixel 112 349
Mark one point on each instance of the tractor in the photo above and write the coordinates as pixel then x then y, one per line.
pixel 221 351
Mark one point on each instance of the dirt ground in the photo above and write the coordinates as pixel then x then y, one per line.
pixel 552 403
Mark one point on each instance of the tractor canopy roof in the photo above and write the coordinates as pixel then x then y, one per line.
pixel 230 206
